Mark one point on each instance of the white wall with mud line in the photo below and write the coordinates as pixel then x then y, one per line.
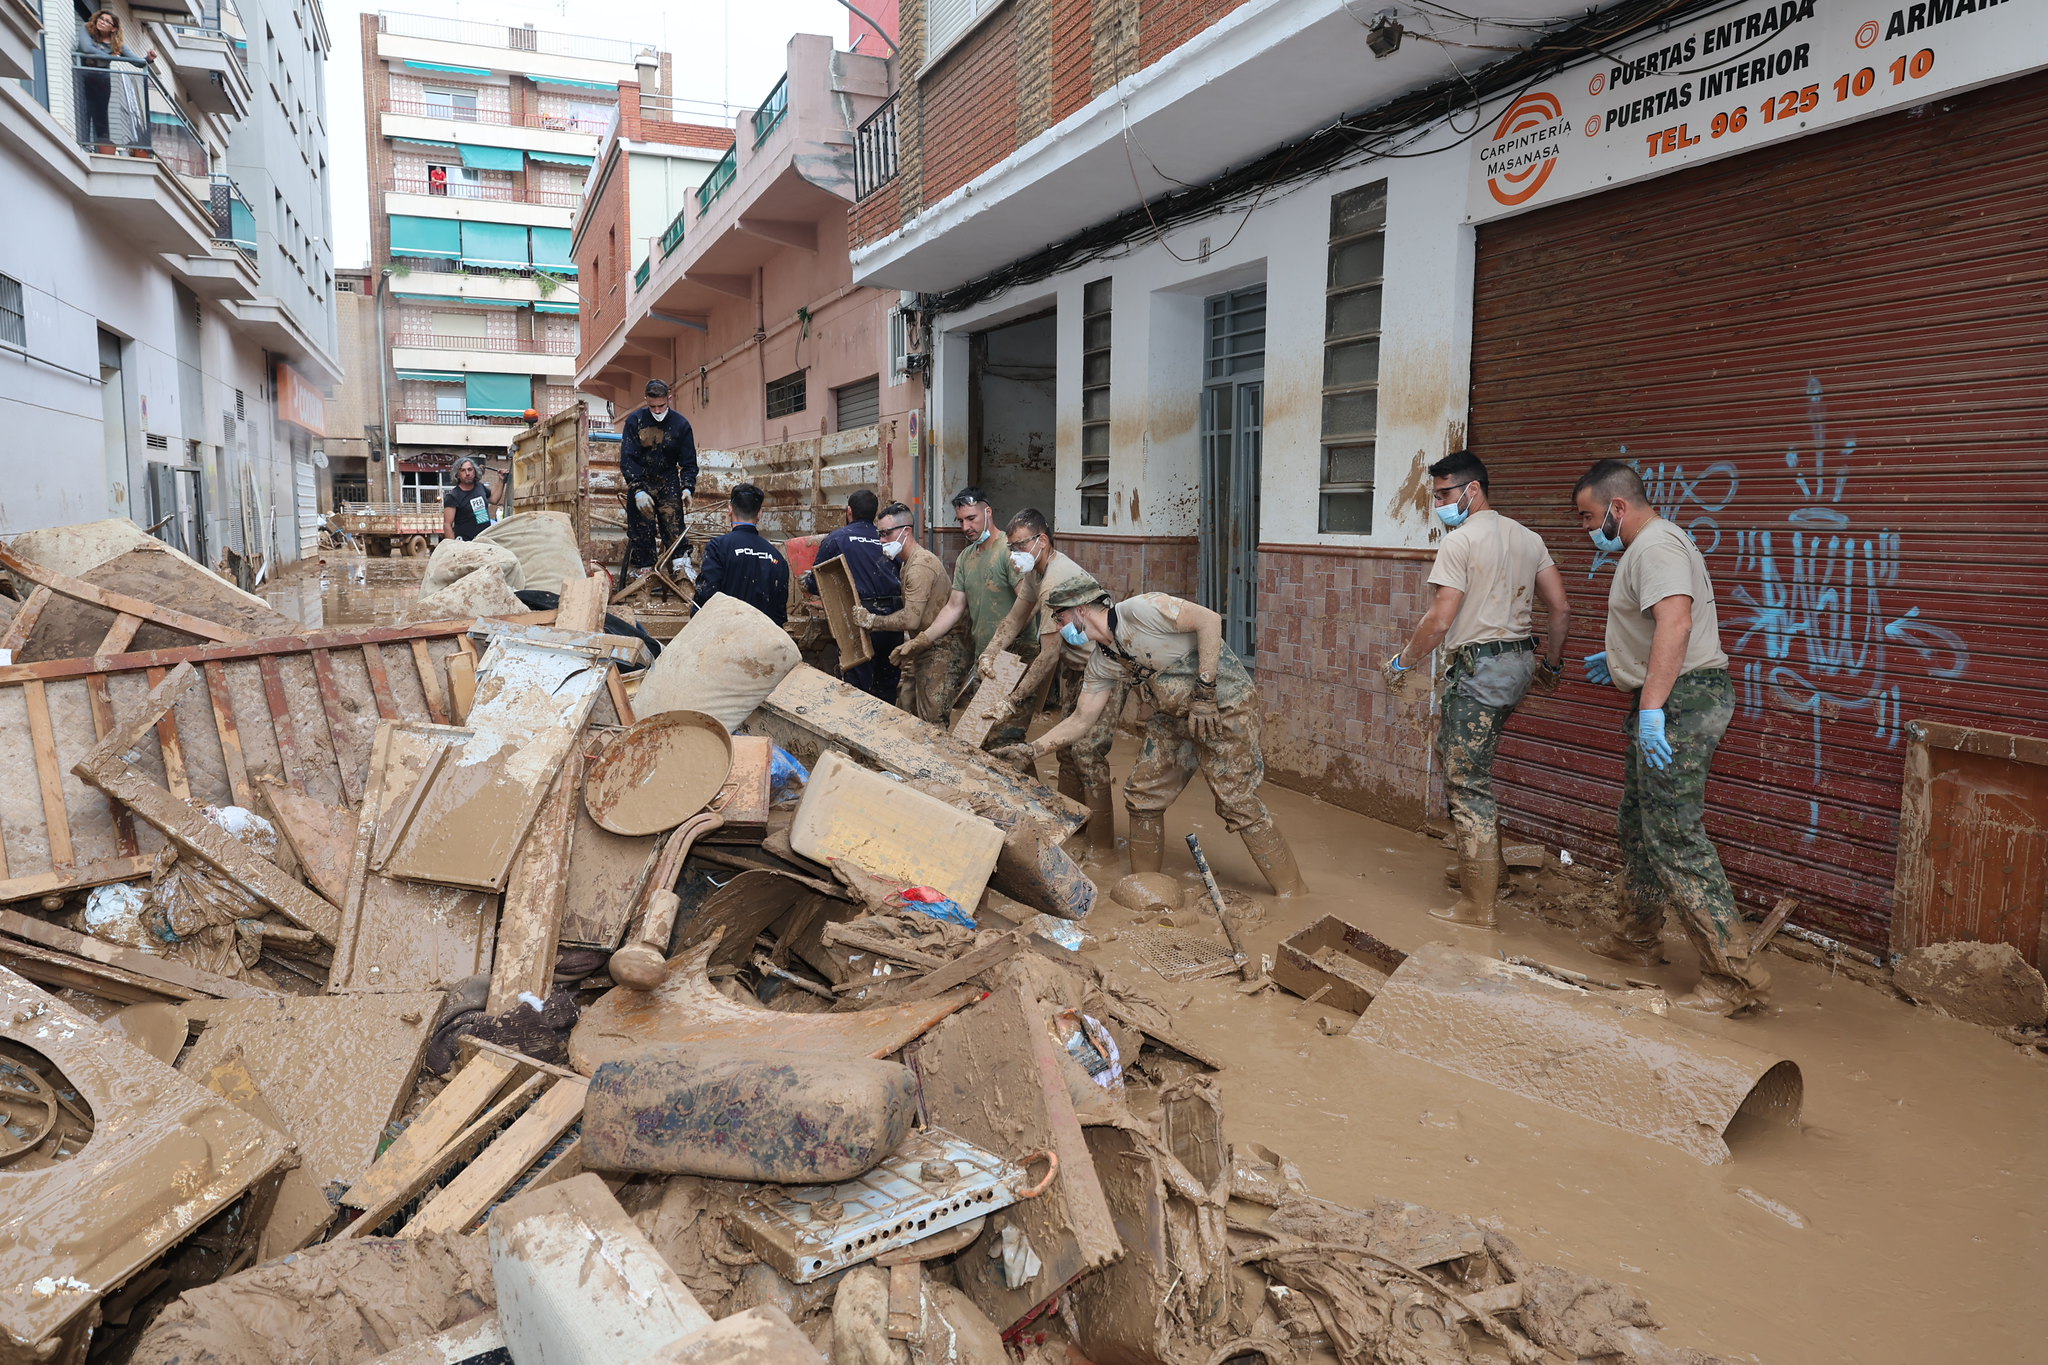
pixel 1156 382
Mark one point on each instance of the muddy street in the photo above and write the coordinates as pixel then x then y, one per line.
pixel 335 588
pixel 1915 1187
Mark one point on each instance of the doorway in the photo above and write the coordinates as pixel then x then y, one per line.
pixel 1233 433
pixel 1012 414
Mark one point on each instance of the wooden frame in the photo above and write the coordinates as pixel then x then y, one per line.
pixel 835 586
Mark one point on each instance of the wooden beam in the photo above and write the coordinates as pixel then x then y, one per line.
pixel 469 1196
pixel 64 585
pixel 119 635
pixel 26 616
pixel 53 669
pixel 583 603
pixel 107 768
pixel 330 706
pixel 531 920
pixel 430 684
pixel 173 748
pixel 49 774
pixel 222 700
pixel 70 878
pixel 101 697
pixel 131 960
pixel 380 682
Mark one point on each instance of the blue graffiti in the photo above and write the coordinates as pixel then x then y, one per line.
pixel 1819 609
pixel 1694 503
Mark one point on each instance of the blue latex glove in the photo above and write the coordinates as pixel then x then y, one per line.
pixel 1650 734
pixel 1596 669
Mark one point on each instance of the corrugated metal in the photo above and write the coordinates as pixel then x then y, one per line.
pixel 1830 360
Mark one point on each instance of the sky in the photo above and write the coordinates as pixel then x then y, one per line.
pixel 728 51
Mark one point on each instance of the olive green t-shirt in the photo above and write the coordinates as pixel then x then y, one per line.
pixel 984 572
pixel 1660 562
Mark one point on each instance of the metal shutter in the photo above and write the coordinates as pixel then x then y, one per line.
pixel 306 493
pixel 857 405
pixel 1827 358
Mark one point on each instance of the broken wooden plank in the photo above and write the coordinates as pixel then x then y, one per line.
pixel 49 774
pixel 992 701
pixel 52 968
pixel 398 934
pixel 134 961
pixel 337 724
pixel 810 712
pixel 102 703
pixel 963 969
pixel 582 603
pixel 52 670
pixel 281 723
pixel 514 1098
pixel 64 585
pixel 461 685
pixel 380 682
pixel 338 1069
pixel 430 684
pixel 171 746
pixel 222 701
pixel 26 617
pixel 119 635
pixel 483 1182
pixel 322 837
pixel 84 874
pixel 531 921
pixel 835 587
pixel 401 1170
pixel 106 769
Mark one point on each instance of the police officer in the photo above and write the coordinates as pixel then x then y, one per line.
pixel 875 581
pixel 1664 653
pixel 743 564
pixel 1205 715
pixel 928 682
pixel 658 457
pixel 1489 570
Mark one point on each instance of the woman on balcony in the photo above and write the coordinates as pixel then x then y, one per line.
pixel 98 48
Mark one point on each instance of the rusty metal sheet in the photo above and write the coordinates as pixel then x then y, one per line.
pixel 1820 384
pixel 687 1008
pixel 1605 1055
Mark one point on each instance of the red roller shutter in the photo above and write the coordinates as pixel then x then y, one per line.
pixel 1830 359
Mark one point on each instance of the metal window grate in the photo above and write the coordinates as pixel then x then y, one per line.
pixel 1236 338
pixel 13 313
pixel 857 405
pixel 1351 358
pixel 786 395
pixel 1094 485
pixel 874 150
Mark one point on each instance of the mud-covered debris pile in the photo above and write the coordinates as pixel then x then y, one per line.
pixel 410 994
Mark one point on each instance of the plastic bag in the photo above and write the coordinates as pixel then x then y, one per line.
pixel 927 901
pixel 787 778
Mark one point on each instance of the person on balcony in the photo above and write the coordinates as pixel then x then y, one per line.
pixel 658 456
pixel 99 47
pixel 437 180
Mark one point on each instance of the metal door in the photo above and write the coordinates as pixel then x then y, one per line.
pixel 1839 394
pixel 1233 433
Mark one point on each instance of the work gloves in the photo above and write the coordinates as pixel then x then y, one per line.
pixel 1396 673
pixel 1548 676
pixel 1596 669
pixel 643 500
pixel 986 664
pixel 908 650
pixel 1205 721
pixel 1023 757
pixel 1650 734
pixel 865 619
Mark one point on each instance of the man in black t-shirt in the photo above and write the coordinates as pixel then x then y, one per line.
pixel 466 508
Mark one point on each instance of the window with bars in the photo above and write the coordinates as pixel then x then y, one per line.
pixel 1094 485
pixel 13 313
pixel 1351 358
pixel 786 395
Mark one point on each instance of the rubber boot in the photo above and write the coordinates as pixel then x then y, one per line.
pixel 1148 842
pixel 1479 880
pixel 1101 822
pixel 1268 847
pixel 1728 995
pixel 1614 946
pixel 1070 784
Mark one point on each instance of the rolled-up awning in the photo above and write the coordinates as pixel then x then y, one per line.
pixel 562 159
pixel 493 158
pixel 499 395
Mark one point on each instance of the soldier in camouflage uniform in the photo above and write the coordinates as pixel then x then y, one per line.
pixel 1664 651
pixel 1489 570
pixel 1205 716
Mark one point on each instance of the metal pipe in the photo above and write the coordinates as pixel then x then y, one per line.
pixel 384 391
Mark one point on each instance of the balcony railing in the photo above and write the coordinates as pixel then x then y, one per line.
pixel 125 110
pixel 502 194
pixel 437 28
pixel 874 150
pixel 557 344
pixel 432 265
pixel 722 175
pixel 441 417
pixel 234 222
pixel 772 111
pixel 672 235
pixel 641 276
pixel 220 19
pixel 595 125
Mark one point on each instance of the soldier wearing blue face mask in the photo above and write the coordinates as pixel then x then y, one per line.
pixel 1489 571
pixel 1664 652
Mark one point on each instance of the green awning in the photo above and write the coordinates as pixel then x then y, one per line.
pixel 581 85
pixel 422 142
pixel 493 158
pixel 457 301
pixel 551 249
pixel 433 376
pixel 451 70
pixel 494 245
pixel 499 395
pixel 568 308
pixel 562 159
pixel 440 238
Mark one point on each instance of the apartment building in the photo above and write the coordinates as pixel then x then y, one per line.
pixel 166 288
pixel 1256 263
pixel 720 264
pixel 481 137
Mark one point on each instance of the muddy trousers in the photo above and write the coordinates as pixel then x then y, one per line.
pixel 1232 763
pixel 1466 738
pixel 1085 763
pixel 929 682
pixel 1668 862
pixel 648 536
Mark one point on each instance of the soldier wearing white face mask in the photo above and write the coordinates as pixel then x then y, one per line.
pixel 931 678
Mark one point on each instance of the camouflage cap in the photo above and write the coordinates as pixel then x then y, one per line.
pixel 1079 591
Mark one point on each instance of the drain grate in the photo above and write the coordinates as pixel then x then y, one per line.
pixel 1179 955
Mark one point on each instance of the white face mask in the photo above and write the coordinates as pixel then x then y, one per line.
pixel 892 548
pixel 1025 563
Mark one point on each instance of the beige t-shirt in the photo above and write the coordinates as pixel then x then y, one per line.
pixel 1494 561
pixel 1148 629
pixel 1058 570
pixel 1660 562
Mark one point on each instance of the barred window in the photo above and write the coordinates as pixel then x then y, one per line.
pixel 786 395
pixel 1094 483
pixel 13 313
pixel 1351 357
